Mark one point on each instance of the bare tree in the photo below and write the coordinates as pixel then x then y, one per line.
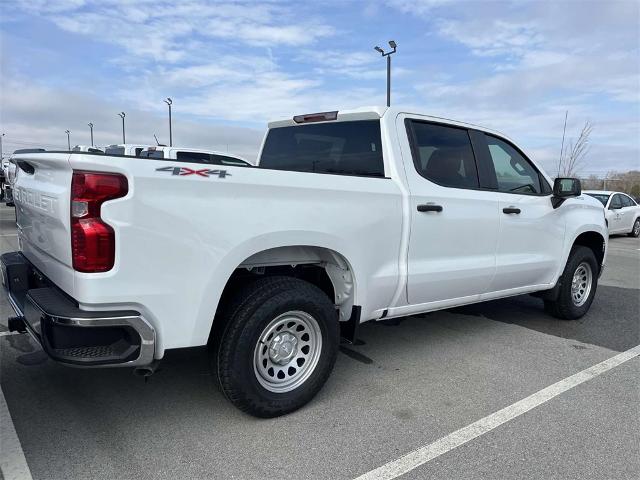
pixel 572 158
pixel 564 131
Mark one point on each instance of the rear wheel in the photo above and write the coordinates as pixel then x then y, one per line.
pixel 635 231
pixel 578 284
pixel 279 346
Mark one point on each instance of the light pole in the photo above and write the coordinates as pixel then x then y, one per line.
pixel 122 115
pixel 168 101
pixel 91 128
pixel 68 138
pixel 1 146
pixel 393 45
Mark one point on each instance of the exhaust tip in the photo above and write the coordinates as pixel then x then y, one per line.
pixel 146 370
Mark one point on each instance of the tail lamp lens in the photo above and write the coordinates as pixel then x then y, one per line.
pixel 93 243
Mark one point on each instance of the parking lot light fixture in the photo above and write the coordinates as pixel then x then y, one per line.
pixel 168 101
pixel 68 132
pixel 91 128
pixel 393 45
pixel 122 115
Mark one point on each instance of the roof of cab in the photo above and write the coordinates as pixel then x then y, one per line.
pixel 375 112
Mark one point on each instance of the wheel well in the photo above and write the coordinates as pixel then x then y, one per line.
pixel 324 268
pixel 595 242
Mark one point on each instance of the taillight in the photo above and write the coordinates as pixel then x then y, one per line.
pixel 316 117
pixel 93 242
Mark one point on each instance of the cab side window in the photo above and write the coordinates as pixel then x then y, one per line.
pixel 443 154
pixel 515 174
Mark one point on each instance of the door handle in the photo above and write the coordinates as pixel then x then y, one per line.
pixel 510 210
pixel 429 207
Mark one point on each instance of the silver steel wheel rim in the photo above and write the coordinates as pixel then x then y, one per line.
pixel 581 284
pixel 287 352
pixel 636 228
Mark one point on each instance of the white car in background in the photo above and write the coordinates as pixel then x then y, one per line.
pixel 622 211
pixel 87 148
pixel 128 149
pixel 194 155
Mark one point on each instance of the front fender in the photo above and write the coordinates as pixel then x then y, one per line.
pixel 574 230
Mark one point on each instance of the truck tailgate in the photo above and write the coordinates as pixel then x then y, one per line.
pixel 42 197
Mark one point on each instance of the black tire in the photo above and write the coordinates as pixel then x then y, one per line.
pixel 253 309
pixel 564 307
pixel 635 230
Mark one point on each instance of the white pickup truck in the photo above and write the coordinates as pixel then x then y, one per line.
pixel 348 217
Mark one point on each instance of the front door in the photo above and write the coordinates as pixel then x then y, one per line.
pixel 615 220
pixel 531 235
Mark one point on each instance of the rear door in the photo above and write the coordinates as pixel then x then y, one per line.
pixel 454 222
pixel 628 213
pixel 531 232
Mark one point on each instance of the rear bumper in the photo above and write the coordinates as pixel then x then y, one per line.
pixel 68 334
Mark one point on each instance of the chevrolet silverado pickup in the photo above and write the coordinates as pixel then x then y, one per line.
pixel 349 216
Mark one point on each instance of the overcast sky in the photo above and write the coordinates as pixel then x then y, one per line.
pixel 231 67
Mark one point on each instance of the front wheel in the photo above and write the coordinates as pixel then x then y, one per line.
pixel 578 284
pixel 278 347
pixel 635 231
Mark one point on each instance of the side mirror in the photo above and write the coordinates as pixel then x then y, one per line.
pixel 564 188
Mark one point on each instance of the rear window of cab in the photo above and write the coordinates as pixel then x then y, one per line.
pixel 342 148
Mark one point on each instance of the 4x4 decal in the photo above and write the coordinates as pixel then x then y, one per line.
pixel 184 171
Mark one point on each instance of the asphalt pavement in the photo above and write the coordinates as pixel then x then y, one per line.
pixel 407 384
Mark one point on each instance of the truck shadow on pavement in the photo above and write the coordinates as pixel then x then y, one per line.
pixel 612 321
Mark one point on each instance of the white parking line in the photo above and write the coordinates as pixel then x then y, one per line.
pixel 427 453
pixel 13 465
pixel 6 334
pixel 9 235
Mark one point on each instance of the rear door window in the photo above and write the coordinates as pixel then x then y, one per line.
pixel 343 148
pixel 627 201
pixel 443 154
